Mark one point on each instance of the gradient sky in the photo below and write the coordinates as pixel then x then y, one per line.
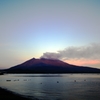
pixel 59 29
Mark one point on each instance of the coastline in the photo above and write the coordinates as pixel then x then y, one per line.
pixel 8 95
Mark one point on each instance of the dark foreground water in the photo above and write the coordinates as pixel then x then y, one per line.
pixel 54 86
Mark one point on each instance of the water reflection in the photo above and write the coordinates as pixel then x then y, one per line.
pixel 54 86
pixel 39 75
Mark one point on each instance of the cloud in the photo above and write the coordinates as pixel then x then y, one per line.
pixel 51 55
pixel 91 51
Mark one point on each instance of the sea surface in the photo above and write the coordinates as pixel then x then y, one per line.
pixel 53 86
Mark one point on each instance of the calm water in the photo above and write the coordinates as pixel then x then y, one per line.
pixel 54 86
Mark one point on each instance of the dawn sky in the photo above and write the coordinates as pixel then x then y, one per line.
pixel 68 30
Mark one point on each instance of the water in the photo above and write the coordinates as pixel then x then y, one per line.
pixel 54 86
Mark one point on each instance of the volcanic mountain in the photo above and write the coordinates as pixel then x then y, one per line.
pixel 49 66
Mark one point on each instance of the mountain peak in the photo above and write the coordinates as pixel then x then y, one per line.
pixel 44 65
pixel 53 62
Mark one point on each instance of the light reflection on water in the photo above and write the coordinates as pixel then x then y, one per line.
pixel 54 86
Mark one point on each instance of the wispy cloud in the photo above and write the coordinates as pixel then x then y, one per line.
pixel 91 51
pixel 88 55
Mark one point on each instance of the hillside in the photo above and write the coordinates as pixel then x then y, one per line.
pixel 49 66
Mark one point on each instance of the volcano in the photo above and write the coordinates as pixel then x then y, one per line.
pixel 49 66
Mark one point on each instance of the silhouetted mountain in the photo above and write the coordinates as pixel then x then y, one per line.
pixel 49 66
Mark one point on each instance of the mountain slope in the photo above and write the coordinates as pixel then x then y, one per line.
pixel 49 66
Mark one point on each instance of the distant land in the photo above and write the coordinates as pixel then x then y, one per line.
pixel 49 66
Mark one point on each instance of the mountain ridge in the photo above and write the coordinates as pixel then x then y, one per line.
pixel 49 66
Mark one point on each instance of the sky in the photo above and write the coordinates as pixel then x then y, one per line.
pixel 68 30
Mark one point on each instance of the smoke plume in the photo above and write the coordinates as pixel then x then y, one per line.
pixel 91 51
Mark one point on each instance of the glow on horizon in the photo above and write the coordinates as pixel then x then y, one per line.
pixel 84 62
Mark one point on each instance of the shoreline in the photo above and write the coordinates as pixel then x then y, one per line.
pixel 9 95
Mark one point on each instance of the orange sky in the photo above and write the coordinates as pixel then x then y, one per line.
pixel 84 62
